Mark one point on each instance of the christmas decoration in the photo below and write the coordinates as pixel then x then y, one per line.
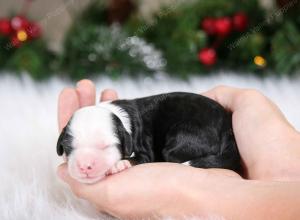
pixel 105 48
pixel 240 21
pixel 220 28
pixel 22 48
pixel 207 56
pixel 177 34
pixel 223 26
pixel 19 29
pixel 241 34
pixel 5 28
pixel 195 37
pixel 34 31
pixel 19 23
pixel 259 61
pixel 209 25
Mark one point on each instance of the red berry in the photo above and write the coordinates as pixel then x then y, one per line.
pixel 208 25
pixel 240 21
pixel 19 22
pixel 34 30
pixel 207 56
pixel 5 27
pixel 223 26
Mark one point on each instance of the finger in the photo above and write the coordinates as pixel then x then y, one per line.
pixel 86 92
pixel 108 94
pixel 67 104
pixel 77 187
pixel 223 172
pixel 224 95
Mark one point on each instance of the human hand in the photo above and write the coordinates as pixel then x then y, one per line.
pixel 154 188
pixel 160 185
pixel 157 190
pixel 268 144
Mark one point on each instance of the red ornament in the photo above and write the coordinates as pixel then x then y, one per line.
pixel 223 26
pixel 15 42
pixel 34 30
pixel 240 21
pixel 19 22
pixel 5 27
pixel 19 29
pixel 208 25
pixel 207 56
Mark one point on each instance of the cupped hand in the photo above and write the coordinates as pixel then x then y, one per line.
pixel 129 193
pixel 268 144
pixel 265 140
pixel 157 190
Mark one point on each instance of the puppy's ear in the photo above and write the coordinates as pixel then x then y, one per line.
pixel 59 146
pixel 124 136
pixel 127 143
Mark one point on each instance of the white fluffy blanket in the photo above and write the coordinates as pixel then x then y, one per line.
pixel 29 187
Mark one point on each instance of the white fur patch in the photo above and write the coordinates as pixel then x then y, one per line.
pixel 187 163
pixel 119 112
pixel 132 155
pixel 90 124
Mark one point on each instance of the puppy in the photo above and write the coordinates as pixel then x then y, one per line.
pixel 174 127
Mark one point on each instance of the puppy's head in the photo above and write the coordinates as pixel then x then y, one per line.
pixel 93 141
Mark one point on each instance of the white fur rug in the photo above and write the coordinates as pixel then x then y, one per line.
pixel 29 188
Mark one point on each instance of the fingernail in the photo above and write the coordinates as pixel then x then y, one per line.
pixel 79 82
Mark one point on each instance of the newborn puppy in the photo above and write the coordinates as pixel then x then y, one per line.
pixel 174 127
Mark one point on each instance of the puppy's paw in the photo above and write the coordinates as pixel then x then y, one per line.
pixel 118 167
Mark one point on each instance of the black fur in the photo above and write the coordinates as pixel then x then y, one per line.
pixel 64 143
pixel 179 127
pixel 126 145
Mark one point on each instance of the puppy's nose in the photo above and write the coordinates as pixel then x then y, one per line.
pixel 86 168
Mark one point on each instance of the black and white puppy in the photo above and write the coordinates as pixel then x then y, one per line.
pixel 175 127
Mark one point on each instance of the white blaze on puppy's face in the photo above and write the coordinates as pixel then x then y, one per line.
pixel 94 144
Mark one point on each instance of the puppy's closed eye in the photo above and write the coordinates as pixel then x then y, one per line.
pixel 102 146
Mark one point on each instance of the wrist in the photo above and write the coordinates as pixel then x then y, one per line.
pixel 283 161
pixel 233 198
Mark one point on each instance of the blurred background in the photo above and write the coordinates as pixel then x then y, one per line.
pixel 76 39
pixel 139 48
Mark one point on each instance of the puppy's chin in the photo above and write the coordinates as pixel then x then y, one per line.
pixel 88 180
